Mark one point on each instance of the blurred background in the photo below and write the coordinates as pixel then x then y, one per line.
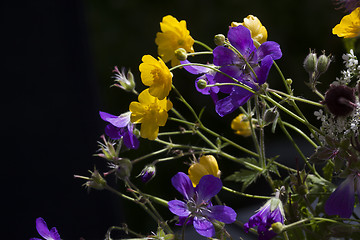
pixel 57 66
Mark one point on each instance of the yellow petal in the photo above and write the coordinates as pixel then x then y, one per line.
pixel 210 164
pixel 349 26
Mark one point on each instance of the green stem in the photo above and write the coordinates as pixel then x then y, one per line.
pixel 203 45
pixel 244 194
pixel 149 155
pixel 276 92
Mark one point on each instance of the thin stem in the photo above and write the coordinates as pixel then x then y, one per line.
pixel 199 53
pixel 276 92
pixel 203 45
pixel 149 155
pixel 244 194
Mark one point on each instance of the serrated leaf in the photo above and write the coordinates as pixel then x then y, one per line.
pixel 244 176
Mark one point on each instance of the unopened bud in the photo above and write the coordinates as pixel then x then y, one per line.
pixel 310 63
pixel 124 81
pixel 323 63
pixel 181 54
pixel 289 81
pixel 219 39
pixel 270 115
pixel 124 168
pixel 277 227
pixel 201 84
pixel 148 173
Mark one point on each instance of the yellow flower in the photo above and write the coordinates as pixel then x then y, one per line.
pixel 174 35
pixel 150 112
pixel 207 165
pixel 349 26
pixel 257 30
pixel 156 75
pixel 241 125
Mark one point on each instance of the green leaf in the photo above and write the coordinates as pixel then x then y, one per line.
pixel 328 171
pixel 244 176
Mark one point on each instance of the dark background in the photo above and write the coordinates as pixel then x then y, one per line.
pixel 57 63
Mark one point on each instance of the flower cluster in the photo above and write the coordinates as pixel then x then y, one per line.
pixel 305 203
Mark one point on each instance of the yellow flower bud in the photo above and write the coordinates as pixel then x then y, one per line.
pixel 241 125
pixel 257 30
pixel 207 165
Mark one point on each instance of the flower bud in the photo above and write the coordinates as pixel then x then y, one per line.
pixel 148 173
pixel 219 39
pixel 181 54
pixel 124 168
pixel 241 125
pixel 310 63
pixel 340 100
pixel 323 63
pixel 201 84
pixel 277 227
pixel 270 115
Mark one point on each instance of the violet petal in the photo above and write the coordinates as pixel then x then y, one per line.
pixel 183 184
pixel 223 214
pixel 269 48
pixel 208 187
pixel 117 121
pixel 54 234
pixel 42 228
pixel 341 201
pixel 193 69
pixel 224 56
pixel 204 227
pixel 178 208
pixel 240 38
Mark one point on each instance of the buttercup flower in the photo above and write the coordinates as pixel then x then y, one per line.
pixel 44 231
pixel 150 112
pixel 207 165
pixel 257 30
pixel 174 35
pixel 197 207
pixel 349 26
pixel 271 212
pixel 156 75
pixel 341 201
pixel 241 125
pixel 232 64
pixel 120 127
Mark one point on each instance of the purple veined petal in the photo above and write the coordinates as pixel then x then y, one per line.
pixel 193 69
pixel 208 187
pixel 42 228
pixel 357 177
pixel 230 103
pixel 341 201
pixel 263 71
pixel 232 71
pixel 178 208
pixel 276 216
pixel 130 140
pixel 183 184
pixel 117 121
pixel 224 56
pixel 183 219
pixel 113 132
pixel 35 239
pixel 240 38
pixel 204 227
pixel 54 234
pixel 221 213
pixel 209 78
pixel 269 48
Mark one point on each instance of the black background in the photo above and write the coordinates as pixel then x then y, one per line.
pixel 57 62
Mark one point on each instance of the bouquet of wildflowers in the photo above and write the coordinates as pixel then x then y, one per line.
pixel 315 200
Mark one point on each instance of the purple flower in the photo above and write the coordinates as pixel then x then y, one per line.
pixel 207 75
pixel 196 207
pixel 232 64
pixel 120 127
pixel 341 201
pixel 268 214
pixel 147 173
pixel 44 231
